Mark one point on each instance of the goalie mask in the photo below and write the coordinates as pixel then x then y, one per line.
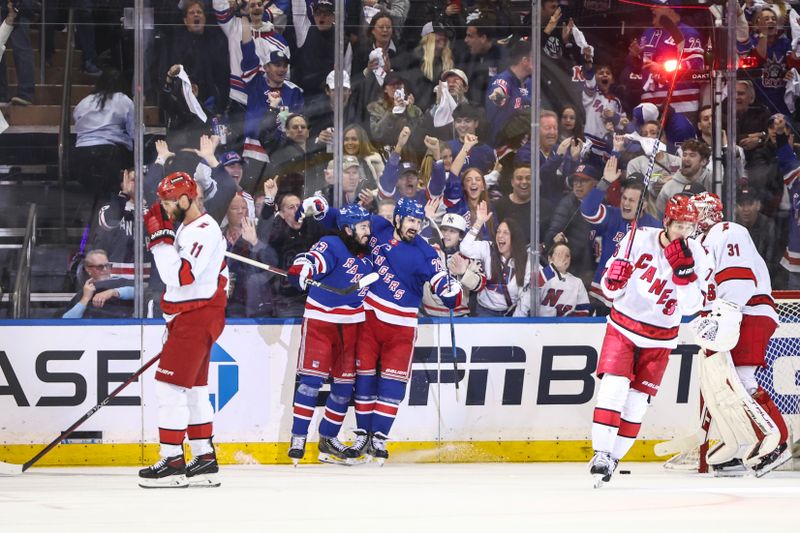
pixel 709 208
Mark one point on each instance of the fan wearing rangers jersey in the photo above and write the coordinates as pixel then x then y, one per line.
pixel 405 262
pixel 562 293
pixel 191 263
pixel 665 279
pixel 331 325
pixel 741 277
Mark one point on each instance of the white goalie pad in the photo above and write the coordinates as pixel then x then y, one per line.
pixel 734 413
pixel 718 331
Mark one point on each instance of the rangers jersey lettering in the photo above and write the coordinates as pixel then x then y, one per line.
pixel 649 308
pixel 740 274
pixel 194 269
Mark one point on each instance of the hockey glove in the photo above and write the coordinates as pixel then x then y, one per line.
pixel 315 206
pixel 299 273
pixel 451 293
pixel 680 259
pixel 159 227
pixel 618 274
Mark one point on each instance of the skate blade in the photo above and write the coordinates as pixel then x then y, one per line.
pixel 204 481
pixel 333 460
pixel 379 460
pixel 782 458
pixel 295 462
pixel 598 480
pixel 171 482
pixel 733 473
pixel 361 460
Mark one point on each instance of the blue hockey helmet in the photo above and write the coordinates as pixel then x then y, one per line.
pixel 408 207
pixel 350 215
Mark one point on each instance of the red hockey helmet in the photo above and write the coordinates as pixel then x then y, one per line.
pixel 709 208
pixel 176 185
pixel 680 208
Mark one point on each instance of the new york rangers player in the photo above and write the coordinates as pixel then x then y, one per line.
pixel 664 279
pixel 331 325
pixel 191 262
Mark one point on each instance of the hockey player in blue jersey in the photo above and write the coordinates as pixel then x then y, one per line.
pixel 612 223
pixel 331 325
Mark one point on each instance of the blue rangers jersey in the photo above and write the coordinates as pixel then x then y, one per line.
pixel 518 97
pixel 607 221
pixel 336 266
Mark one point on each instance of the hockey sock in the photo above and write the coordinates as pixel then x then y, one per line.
pixel 630 422
pixel 173 417
pixel 305 401
pixel 366 395
pixel 335 409
pixel 201 428
pixel 762 398
pixel 390 393
pixel 610 401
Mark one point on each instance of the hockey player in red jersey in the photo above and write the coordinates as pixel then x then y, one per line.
pixel 663 279
pixel 191 262
pixel 331 325
pixel 741 278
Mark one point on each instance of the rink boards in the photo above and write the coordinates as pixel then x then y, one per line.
pixel 526 391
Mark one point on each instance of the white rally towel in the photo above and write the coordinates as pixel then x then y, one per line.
pixel 580 40
pixel 794 23
pixel 444 111
pixel 188 95
pixel 646 143
pixel 792 91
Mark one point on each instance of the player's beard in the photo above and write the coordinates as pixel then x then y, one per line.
pixel 352 244
pixel 180 214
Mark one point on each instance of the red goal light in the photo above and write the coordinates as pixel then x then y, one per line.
pixel 671 65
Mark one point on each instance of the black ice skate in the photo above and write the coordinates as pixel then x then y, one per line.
pixel 168 473
pixel 377 448
pixel 202 471
pixel 733 468
pixel 773 460
pixel 601 467
pixel 361 447
pixel 332 451
pixel 297 448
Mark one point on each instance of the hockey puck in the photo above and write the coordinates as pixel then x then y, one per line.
pixel 624 472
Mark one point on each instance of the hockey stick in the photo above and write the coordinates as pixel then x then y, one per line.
pixel 10 469
pixel 367 280
pixel 453 348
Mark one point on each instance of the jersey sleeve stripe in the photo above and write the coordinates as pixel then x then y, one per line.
pixel 598 217
pixel 761 299
pixel 185 276
pixel 735 273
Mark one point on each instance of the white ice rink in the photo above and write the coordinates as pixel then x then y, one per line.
pixel 408 498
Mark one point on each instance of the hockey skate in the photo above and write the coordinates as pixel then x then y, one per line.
pixel 773 460
pixel 377 448
pixel 733 468
pixel 168 473
pixel 202 471
pixel 601 467
pixel 297 448
pixel 361 447
pixel 332 451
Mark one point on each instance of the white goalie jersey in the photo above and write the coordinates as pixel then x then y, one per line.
pixel 194 269
pixel 740 274
pixel 649 308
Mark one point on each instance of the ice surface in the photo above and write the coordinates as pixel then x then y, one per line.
pixel 412 498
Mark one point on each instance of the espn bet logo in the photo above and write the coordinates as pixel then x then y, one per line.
pixel 223 378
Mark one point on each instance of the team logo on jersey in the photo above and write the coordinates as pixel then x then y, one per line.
pixel 223 378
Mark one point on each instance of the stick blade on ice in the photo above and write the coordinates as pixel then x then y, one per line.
pixel 7 469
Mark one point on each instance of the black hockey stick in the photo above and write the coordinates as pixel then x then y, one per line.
pixel 10 469
pixel 367 280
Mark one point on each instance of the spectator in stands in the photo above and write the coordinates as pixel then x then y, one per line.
pixel 551 156
pixel 437 121
pixel 353 183
pixel 508 97
pixel 486 58
pixel 386 208
pixel 569 123
pixel 201 50
pixel 466 121
pixel 599 104
pixel 400 178
pixel 517 205
pixel 767 168
pixel 503 260
pixel 102 296
pixel 761 228
pixel 393 110
pixel 319 110
pixel 397 10
pixel 16 20
pixel 184 119
pixel 562 293
pixel 249 295
pixel 751 118
pixel 705 126
pixel 104 135
pixel 379 35
pixel 664 166
pixel 297 154
pixel 468 272
pixel 356 143
pixel 466 189
pixel 556 32
pixel 694 160
pixel 429 61
pixel 771 48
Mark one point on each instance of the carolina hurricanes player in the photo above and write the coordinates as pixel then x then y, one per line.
pixel 741 277
pixel 331 325
pixel 191 262
pixel 664 280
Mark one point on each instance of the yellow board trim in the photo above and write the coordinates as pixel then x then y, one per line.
pixel 275 452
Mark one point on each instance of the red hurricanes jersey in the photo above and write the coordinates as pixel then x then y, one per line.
pixel 649 308
pixel 194 269
pixel 740 274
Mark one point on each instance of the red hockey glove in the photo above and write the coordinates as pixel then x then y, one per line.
pixel 680 259
pixel 618 274
pixel 159 227
pixel 299 273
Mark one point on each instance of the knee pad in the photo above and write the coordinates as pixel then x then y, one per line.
pixel 198 395
pixel 747 375
pixel 635 406
pixel 171 395
pixel 391 390
pixel 613 392
pixel 309 385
